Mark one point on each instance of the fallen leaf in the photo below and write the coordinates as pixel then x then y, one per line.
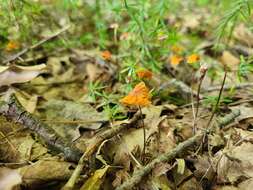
pixel 244 35
pixel 180 166
pixel 9 178
pixel 45 171
pixel 237 162
pixel 29 103
pixel 229 60
pixel 246 185
pixel 58 111
pixel 19 74
pixel 96 180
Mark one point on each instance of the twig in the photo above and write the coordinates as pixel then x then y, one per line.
pixel 14 111
pixel 24 51
pixel 230 117
pixel 218 100
pixel 168 156
pixel 203 73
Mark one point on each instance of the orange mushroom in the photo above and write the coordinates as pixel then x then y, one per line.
pixel 144 74
pixel 139 96
pixel 193 58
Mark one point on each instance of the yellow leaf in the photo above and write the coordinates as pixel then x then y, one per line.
pixel 95 181
pixel 180 166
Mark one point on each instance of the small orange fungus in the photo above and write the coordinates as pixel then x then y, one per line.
pixel 144 74
pixel 139 96
pixel 12 45
pixel 175 59
pixel 106 55
pixel 176 49
pixel 193 58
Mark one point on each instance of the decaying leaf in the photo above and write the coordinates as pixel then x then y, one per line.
pixel 96 180
pixel 19 74
pixel 180 166
pixel 9 178
pixel 71 116
pixel 29 103
pixel 44 171
pixel 229 60
pixel 236 163
pixel 244 35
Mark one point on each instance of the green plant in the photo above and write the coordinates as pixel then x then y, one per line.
pixel 211 100
pixel 239 9
pixel 114 112
pixel 95 90
pixel 245 67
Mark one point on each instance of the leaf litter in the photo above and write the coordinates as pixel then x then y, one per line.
pixel 78 91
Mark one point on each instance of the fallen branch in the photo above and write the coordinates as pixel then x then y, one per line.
pixel 228 87
pixel 24 51
pixel 13 110
pixel 166 157
pixel 170 155
pixel 222 122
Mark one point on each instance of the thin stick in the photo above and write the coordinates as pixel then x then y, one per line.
pixel 218 100
pixel 198 98
pixel 228 87
pixel 24 51
pixel 144 136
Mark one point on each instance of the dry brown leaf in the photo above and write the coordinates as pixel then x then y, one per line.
pixel 246 185
pixel 44 171
pixel 121 176
pixel 19 74
pixel 243 35
pixel 229 60
pixel 237 162
pixel 9 178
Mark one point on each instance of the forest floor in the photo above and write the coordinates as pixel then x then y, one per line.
pixel 123 95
